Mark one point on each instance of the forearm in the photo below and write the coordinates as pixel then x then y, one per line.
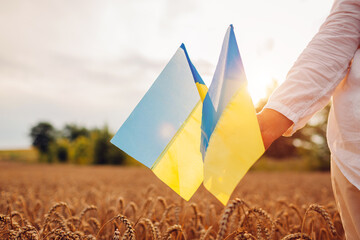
pixel 321 67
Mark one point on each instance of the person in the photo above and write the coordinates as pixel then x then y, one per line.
pixel 328 67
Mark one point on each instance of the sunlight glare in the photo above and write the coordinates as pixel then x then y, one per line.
pixel 257 86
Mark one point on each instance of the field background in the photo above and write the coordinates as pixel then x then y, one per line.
pixel 70 75
pixel 90 196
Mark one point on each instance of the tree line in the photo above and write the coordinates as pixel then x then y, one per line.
pixel 79 145
pixel 75 144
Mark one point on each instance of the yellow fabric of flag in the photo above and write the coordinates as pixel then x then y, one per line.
pixel 231 139
pixel 202 89
pixel 180 166
pixel 234 147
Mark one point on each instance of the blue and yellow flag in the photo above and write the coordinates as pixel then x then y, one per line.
pixel 231 141
pixel 187 134
pixel 164 130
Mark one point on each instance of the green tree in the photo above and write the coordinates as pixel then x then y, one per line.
pixel 62 153
pixel 73 131
pixel 61 148
pixel 101 145
pixel 42 135
pixel 82 150
pixel 313 144
pixel 104 151
pixel 75 144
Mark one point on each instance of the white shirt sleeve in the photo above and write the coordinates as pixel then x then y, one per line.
pixel 321 66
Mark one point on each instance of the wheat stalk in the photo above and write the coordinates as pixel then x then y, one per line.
pixel 121 204
pixel 85 210
pixel 94 223
pixel 16 213
pixel 296 209
pixel 153 230
pixel 294 236
pixel 129 233
pixel 321 210
pixel 194 207
pixel 227 213
pixel 241 235
pixel 170 230
pixel 51 211
pixel 133 207
pixel 205 234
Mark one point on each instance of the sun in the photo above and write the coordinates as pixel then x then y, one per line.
pixel 258 88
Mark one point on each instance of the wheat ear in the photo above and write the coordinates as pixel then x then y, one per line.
pixel 85 210
pixel 226 216
pixel 51 211
pixel 153 230
pixel 321 210
pixel 129 233
pixel 206 233
pixel 116 235
pixel 294 236
pixel 170 230
pixel 240 235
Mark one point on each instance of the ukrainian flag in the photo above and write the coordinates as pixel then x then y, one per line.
pixel 164 130
pixel 186 133
pixel 231 141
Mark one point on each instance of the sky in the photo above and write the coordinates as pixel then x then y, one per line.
pixel 89 62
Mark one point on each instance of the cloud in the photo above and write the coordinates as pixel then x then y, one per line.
pixel 175 11
pixel 61 88
pixel 266 46
pixel 91 61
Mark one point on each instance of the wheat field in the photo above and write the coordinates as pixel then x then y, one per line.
pixel 108 202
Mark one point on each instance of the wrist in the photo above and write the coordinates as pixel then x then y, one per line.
pixel 272 125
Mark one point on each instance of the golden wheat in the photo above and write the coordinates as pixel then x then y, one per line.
pixel 108 207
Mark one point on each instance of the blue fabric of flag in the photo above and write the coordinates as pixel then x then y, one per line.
pixel 160 113
pixel 229 76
